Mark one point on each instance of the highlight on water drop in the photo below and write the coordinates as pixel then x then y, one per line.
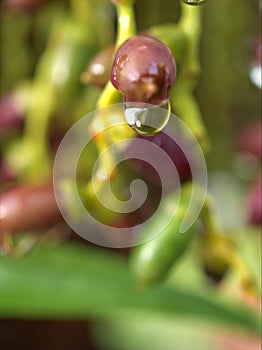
pixel 146 119
pixel 194 2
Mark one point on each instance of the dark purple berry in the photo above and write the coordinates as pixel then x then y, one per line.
pixel 175 149
pixel 144 70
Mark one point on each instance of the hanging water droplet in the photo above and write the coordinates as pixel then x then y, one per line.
pixel 147 120
pixel 194 2
pixel 255 74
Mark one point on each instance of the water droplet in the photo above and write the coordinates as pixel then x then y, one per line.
pixel 255 75
pixel 194 2
pixel 145 119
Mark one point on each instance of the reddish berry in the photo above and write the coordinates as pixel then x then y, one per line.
pixel 144 70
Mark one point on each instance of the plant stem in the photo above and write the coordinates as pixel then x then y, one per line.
pixel 183 100
pixel 226 250
pixel 81 9
pixel 243 273
pixel 126 22
pixel 103 172
pixel 36 128
pixel 209 221
pixel 126 28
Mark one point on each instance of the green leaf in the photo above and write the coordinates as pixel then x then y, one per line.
pixel 75 281
pixel 155 333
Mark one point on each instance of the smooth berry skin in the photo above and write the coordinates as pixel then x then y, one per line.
pixel 144 70
pixel 28 207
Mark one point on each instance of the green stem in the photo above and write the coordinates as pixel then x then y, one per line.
pixel 227 250
pixel 81 9
pixel 126 28
pixel 208 219
pixel 243 273
pixel 126 22
pixel 39 112
pixel 190 22
pixel 36 130
pixel 103 172
pixel 183 101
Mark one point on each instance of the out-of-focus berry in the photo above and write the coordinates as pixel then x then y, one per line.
pixel 24 5
pixel 174 150
pixel 254 203
pixel 98 70
pixel 6 176
pixel 11 116
pixel 28 207
pixel 249 139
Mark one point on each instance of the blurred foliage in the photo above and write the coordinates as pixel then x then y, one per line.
pixel 226 95
pixel 72 281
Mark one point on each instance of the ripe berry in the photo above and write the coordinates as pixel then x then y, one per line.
pixel 98 70
pixel 144 70
pixel 175 149
pixel 28 207
pixel 254 203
